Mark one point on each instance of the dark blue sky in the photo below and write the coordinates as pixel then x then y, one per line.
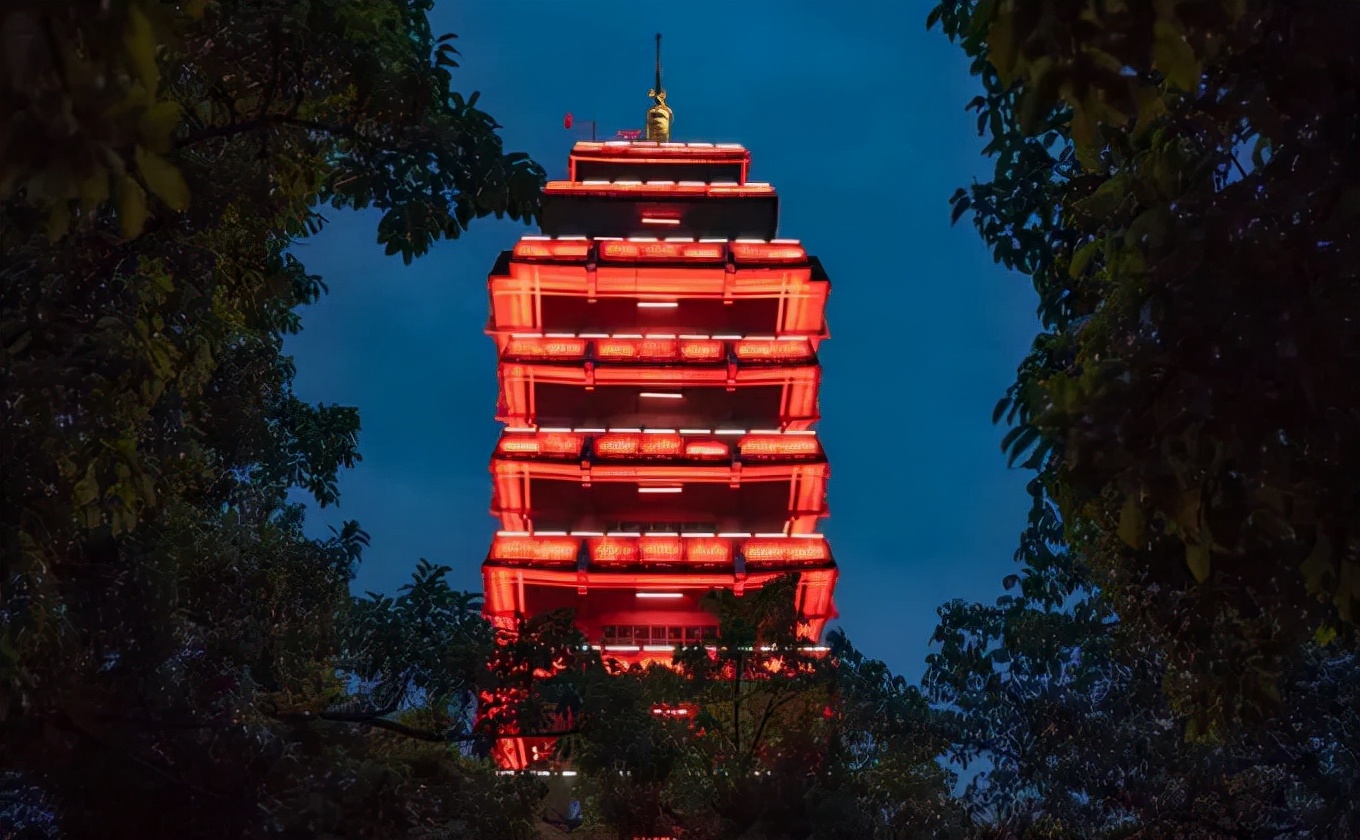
pixel 855 113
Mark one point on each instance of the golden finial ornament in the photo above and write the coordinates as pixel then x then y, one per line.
pixel 659 116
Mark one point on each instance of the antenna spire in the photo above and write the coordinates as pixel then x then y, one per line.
pixel 659 116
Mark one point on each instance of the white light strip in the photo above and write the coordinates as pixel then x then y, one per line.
pixel 626 430
pixel 661 595
pixel 661 336
pixel 622 648
pixel 658 431
pixel 696 431
pixel 661 489
pixel 661 396
pixel 587 533
pixel 550 533
pixel 727 337
pixel 658 648
pixel 647 220
pixel 729 431
pixel 734 535
pixel 771 535
pixel 658 304
pixel 555 429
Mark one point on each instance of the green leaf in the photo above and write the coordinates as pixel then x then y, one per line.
pixel 1081 258
pixel 131 207
pixel 139 41
pixel 157 124
pixel 1002 50
pixel 86 490
pixel 163 179
pixel 1174 57
pixel 1197 559
pixel 1131 523
pixel 94 191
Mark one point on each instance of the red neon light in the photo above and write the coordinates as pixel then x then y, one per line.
pixel 694 350
pixel 616 348
pixel 661 549
pixel 660 445
pixel 707 450
pixel 768 252
pixel 658 348
pixel 613 550
pixel 782 350
pixel 779 446
pixel 709 550
pixel 787 550
pixel 561 348
pixel 660 190
pixel 744 253
pixel 549 443
pixel 553 248
pixel 616 446
pixel 535 548
pixel 683 251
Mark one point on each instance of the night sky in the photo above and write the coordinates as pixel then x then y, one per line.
pixel 856 115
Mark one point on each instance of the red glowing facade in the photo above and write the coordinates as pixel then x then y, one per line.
pixel 658 373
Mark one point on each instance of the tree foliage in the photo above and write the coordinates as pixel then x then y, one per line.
pixel 772 741
pixel 176 657
pixel 1058 706
pixel 1179 179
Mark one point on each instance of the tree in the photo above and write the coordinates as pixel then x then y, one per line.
pixel 760 738
pixel 176 657
pixel 1179 181
pixel 1061 705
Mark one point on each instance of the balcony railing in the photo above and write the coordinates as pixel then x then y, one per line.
pixel 657 348
pixel 663 445
pixel 602 552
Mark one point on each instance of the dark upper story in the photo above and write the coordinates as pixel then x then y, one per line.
pixel 643 188
pixel 642 160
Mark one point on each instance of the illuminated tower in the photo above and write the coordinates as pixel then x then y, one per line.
pixel 657 362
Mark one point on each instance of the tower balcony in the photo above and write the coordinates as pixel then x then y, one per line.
pixel 643 160
pixel 690 480
pixel 644 392
pixel 694 208
pixel 646 284
pixel 650 579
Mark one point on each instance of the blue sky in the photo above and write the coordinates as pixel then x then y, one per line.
pixel 856 114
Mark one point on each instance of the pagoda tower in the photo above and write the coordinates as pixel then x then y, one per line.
pixel 658 382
